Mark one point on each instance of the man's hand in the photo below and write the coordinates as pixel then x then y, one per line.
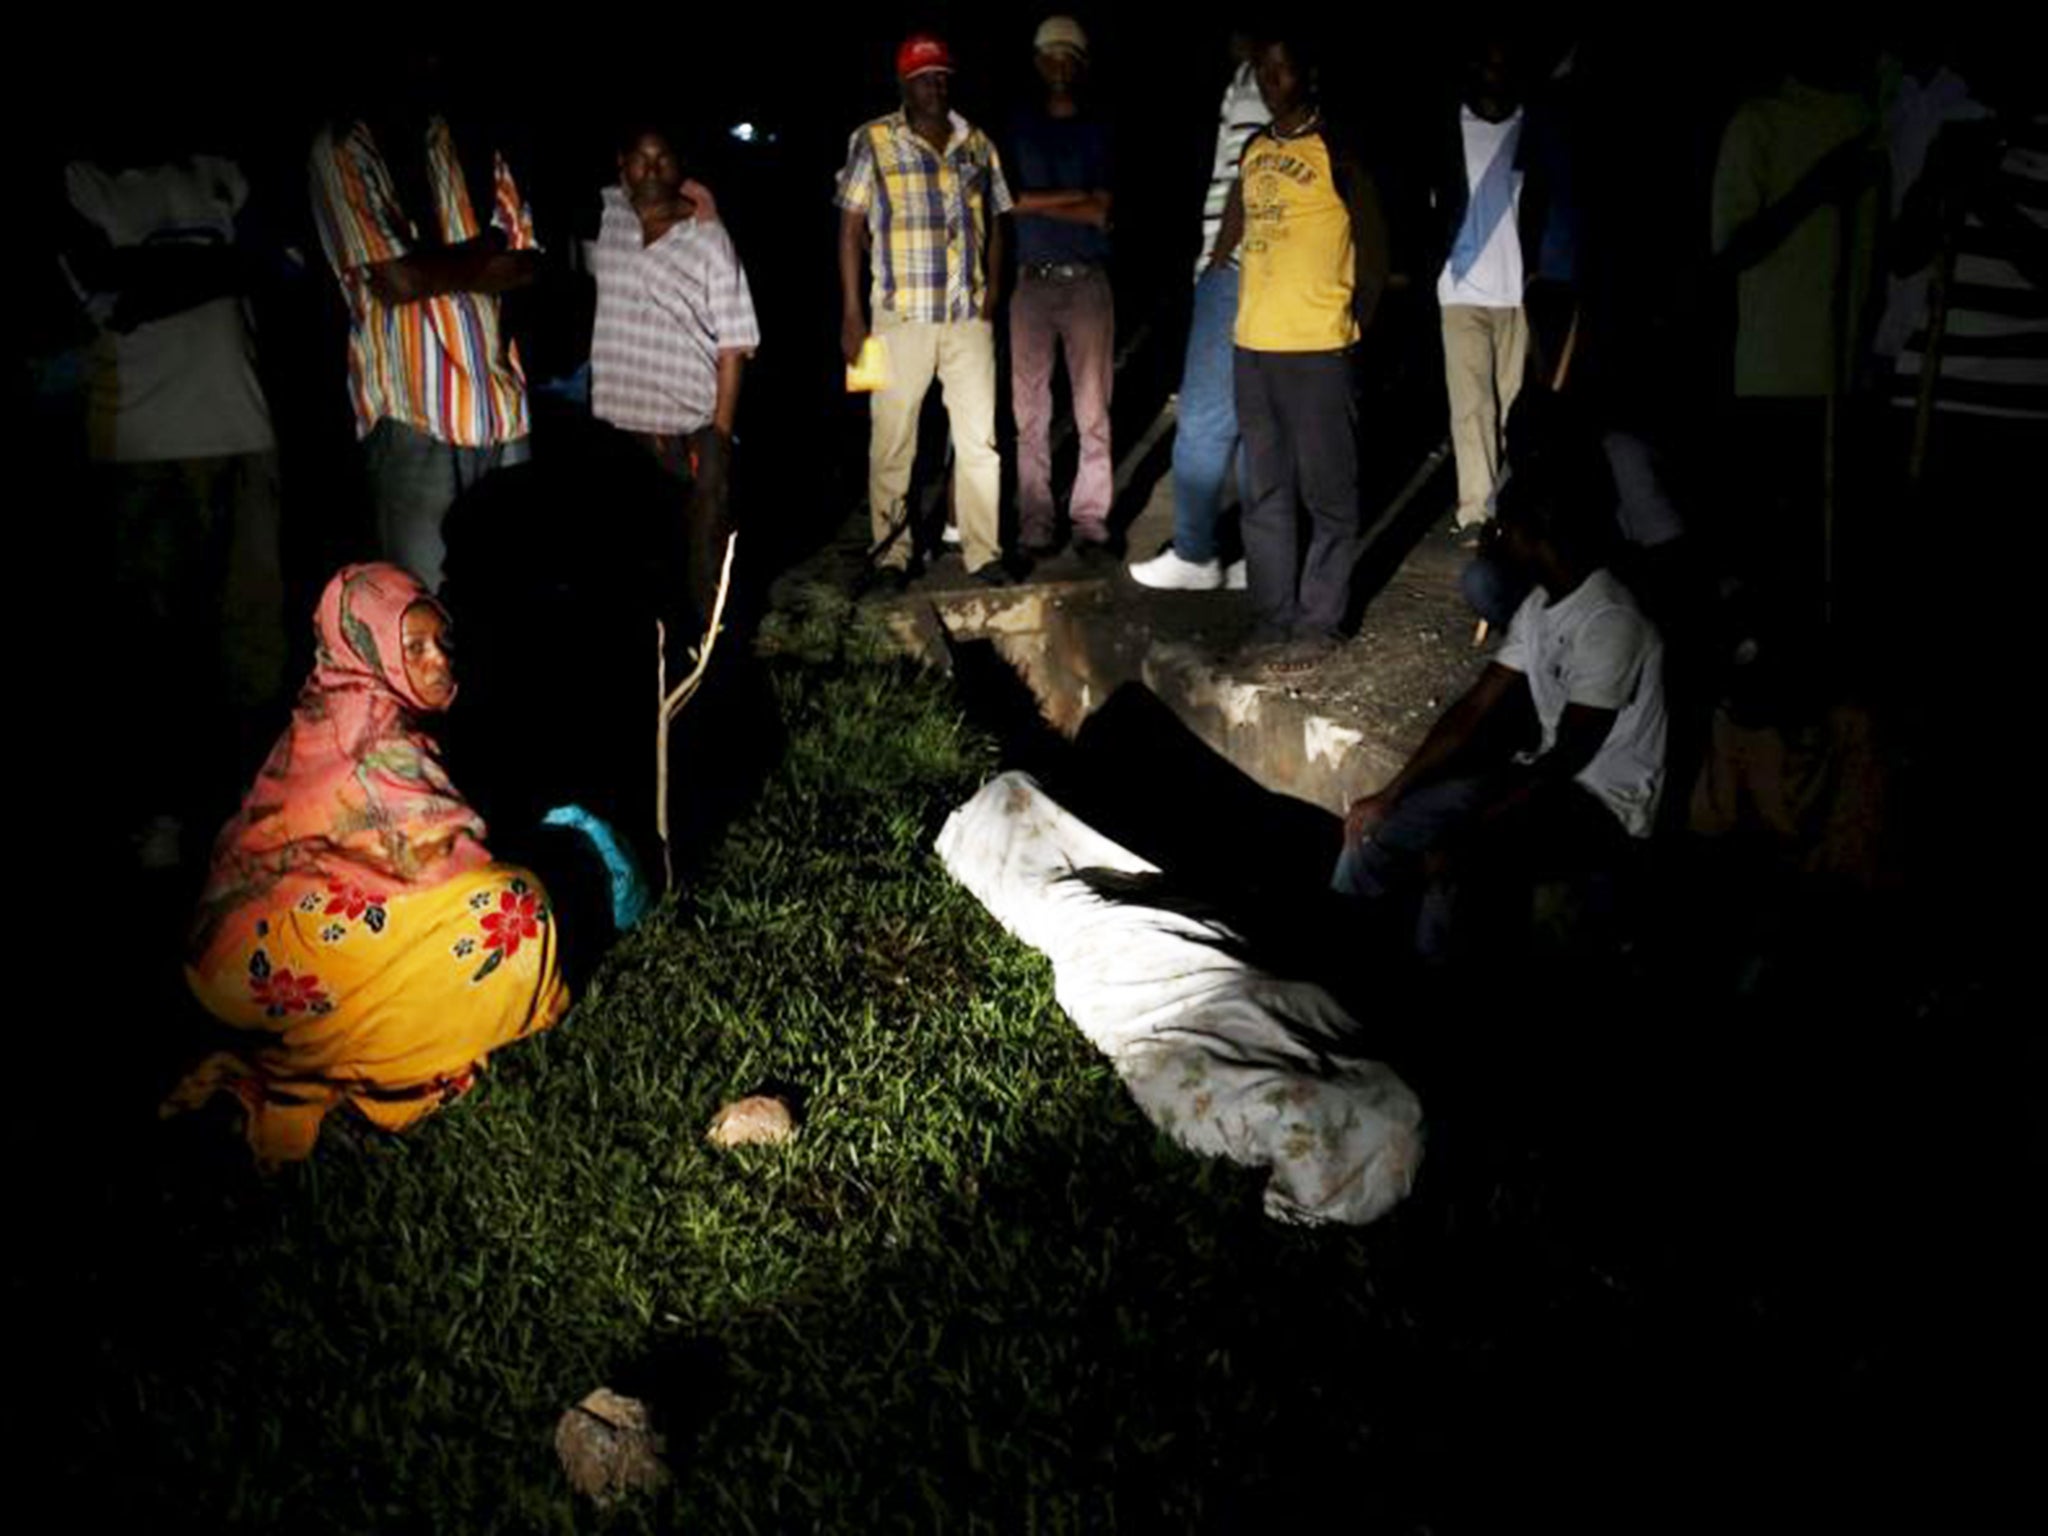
pixel 394 282
pixel 693 201
pixel 697 197
pixel 711 450
pixel 480 265
pixel 153 282
pixel 853 335
pixel 1365 817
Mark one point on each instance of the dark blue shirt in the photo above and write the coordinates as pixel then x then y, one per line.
pixel 1059 154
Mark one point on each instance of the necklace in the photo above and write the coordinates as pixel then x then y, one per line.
pixel 1315 121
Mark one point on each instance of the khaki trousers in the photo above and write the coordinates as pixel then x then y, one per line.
pixel 962 356
pixel 1485 353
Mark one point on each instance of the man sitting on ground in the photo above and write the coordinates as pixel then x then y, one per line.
pixel 1581 674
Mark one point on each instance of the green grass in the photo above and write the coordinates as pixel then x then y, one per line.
pixel 978 1290
pixel 942 1296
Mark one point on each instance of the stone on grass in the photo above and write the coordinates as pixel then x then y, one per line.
pixel 754 1121
pixel 609 1448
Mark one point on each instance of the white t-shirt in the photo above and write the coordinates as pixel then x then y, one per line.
pixel 1594 647
pixel 184 386
pixel 1495 280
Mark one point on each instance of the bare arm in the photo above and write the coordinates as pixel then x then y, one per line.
pixel 1960 173
pixel 482 265
pixel 158 281
pixel 1231 232
pixel 1452 733
pixel 1580 734
pixel 1455 727
pixel 693 203
pixel 1069 206
pixel 1748 237
pixel 998 247
pixel 151 281
pixel 727 409
pixel 853 326
pixel 1369 242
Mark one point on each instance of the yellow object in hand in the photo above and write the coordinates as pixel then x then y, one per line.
pixel 871 371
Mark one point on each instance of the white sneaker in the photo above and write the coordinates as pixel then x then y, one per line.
pixel 1168 572
pixel 1234 577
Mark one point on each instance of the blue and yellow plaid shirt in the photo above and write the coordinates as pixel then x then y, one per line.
pixel 927 215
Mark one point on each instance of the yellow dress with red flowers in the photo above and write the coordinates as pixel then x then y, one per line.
pixel 388 1001
pixel 353 924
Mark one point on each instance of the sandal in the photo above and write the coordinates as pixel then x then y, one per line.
pixel 1299 657
pixel 1257 648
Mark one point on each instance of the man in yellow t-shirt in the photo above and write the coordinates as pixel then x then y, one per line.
pixel 1305 222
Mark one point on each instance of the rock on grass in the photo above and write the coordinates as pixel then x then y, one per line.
pixel 609 1448
pixel 758 1120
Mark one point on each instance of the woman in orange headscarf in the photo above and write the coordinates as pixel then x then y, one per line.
pixel 353 921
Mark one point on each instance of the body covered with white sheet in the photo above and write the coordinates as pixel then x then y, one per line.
pixel 1228 1060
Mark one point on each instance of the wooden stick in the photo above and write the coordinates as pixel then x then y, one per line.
pixel 669 702
pixel 668 874
pixel 1564 356
pixel 1930 355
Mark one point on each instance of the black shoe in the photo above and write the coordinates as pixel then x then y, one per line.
pixel 995 574
pixel 1109 547
pixel 890 581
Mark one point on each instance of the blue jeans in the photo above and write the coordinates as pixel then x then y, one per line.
pixel 1388 861
pixel 1561 829
pixel 414 479
pixel 1205 426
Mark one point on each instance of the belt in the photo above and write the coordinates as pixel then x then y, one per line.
pixel 1060 271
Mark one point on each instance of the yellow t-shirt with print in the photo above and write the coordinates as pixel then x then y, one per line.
pixel 1297 266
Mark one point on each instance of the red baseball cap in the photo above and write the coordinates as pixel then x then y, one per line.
pixel 921 53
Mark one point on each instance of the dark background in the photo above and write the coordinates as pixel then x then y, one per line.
pixel 556 84
pixel 555 90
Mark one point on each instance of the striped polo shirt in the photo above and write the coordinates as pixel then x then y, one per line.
pixel 439 365
pixel 1994 347
pixel 1243 114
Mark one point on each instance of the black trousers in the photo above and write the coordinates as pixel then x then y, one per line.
pixel 1299 420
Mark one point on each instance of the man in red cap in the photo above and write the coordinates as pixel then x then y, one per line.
pixel 923 192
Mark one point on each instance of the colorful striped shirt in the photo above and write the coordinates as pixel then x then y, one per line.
pixel 664 313
pixel 440 365
pixel 927 215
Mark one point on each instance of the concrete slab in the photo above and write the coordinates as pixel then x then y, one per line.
pixel 1076 630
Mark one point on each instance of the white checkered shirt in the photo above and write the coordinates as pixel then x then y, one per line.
pixel 664 313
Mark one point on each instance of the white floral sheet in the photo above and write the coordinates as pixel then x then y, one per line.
pixel 1223 1057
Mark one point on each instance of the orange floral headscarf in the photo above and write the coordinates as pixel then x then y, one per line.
pixel 353 802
